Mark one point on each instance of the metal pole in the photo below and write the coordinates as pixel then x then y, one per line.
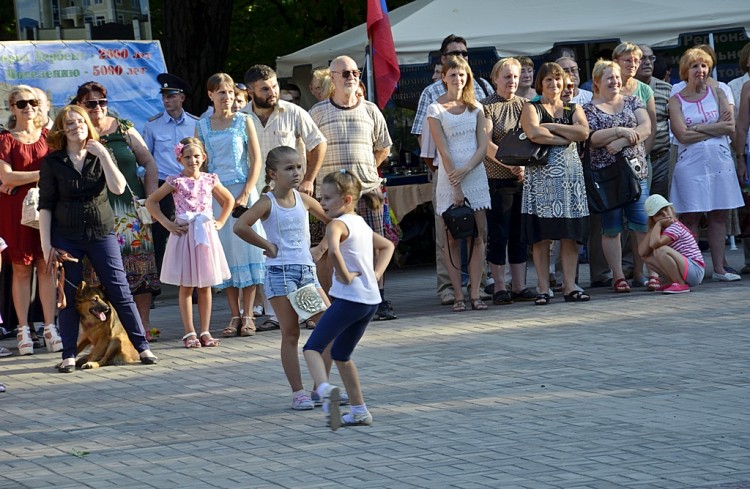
pixel 370 75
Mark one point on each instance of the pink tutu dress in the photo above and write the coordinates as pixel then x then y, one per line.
pixel 195 259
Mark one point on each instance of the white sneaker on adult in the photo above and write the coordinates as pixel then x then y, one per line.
pixel 725 277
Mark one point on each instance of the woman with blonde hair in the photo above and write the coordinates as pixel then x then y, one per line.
pixel 619 124
pixel 704 178
pixel 628 56
pixel 23 148
pixel 457 124
pixel 502 111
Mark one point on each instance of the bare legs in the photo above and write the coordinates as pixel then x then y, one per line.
pixel 21 291
pixel 204 308
pixel 716 234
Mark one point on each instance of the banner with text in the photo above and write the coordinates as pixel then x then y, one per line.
pixel 127 69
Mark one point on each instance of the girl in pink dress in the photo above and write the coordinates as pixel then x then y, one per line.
pixel 193 257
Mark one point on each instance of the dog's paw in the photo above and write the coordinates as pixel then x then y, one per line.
pixel 89 365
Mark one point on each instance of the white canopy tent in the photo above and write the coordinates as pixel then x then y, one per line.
pixel 528 27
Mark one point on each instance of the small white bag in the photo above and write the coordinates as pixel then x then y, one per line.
pixel 30 211
pixel 306 301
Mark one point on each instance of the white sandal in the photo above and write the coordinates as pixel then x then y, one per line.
pixel 52 339
pixel 25 345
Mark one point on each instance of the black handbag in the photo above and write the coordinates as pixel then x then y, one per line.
pixel 516 149
pixel 459 221
pixel 610 187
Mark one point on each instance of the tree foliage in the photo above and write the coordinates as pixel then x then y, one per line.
pixel 258 31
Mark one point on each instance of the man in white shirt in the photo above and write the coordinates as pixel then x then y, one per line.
pixel 570 66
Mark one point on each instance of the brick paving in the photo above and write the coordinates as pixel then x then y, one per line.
pixel 628 391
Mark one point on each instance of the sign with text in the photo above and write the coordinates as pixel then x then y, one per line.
pixel 127 69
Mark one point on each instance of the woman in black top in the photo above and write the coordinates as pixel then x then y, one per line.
pixel 76 220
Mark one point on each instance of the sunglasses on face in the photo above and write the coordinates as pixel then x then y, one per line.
pixel 21 104
pixel 463 54
pixel 570 86
pixel 348 73
pixel 92 104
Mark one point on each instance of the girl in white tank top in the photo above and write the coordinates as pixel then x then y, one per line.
pixel 289 262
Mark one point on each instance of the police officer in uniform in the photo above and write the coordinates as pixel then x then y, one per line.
pixel 162 132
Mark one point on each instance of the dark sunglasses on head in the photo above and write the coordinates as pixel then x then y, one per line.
pixel 91 104
pixel 463 54
pixel 241 86
pixel 21 104
pixel 346 74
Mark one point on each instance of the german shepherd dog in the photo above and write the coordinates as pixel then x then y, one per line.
pixel 102 330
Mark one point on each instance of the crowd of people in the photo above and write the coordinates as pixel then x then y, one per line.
pixel 262 200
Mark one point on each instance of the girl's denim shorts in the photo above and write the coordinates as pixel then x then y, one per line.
pixel 296 276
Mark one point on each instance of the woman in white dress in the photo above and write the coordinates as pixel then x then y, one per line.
pixel 705 178
pixel 457 127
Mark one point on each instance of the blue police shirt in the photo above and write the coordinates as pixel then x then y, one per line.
pixel 162 133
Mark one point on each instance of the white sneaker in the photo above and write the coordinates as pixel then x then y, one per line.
pixel 302 402
pixel 349 419
pixel 726 277
pixel 257 311
pixel 343 396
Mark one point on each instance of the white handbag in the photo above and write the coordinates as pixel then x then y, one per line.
pixel 30 211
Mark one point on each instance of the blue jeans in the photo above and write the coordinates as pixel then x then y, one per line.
pixel 344 323
pixel 106 259
pixel 635 212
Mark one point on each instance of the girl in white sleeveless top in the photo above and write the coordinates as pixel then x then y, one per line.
pixel 289 262
pixel 352 248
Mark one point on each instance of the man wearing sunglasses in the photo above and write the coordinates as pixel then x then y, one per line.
pixel 162 132
pixel 455 46
pixel 358 141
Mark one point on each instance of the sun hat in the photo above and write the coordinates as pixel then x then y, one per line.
pixel 654 204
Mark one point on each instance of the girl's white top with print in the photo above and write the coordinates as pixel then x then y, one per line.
pixel 358 253
pixel 289 230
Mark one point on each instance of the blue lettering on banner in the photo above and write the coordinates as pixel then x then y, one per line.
pixel 127 69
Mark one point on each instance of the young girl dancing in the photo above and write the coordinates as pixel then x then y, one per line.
pixel 351 247
pixel 289 262
pixel 193 257
pixel 670 247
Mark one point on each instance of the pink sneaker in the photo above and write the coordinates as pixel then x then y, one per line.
pixel 676 288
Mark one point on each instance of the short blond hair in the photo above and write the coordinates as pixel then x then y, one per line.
pixel 691 56
pixel 502 64
pixel 624 48
pixel 599 68
pixel 12 98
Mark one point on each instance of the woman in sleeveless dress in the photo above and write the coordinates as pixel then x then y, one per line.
pixel 130 152
pixel 704 178
pixel 23 148
pixel 554 202
pixel 234 155
pixel 457 126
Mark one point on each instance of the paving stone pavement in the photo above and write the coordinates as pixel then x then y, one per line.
pixel 637 390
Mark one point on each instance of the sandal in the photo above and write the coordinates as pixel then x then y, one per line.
pixel 459 306
pixel 621 286
pixel 233 328
pixel 525 294
pixel 208 341
pixel 654 283
pixel 542 300
pixel 268 325
pixel 190 340
pixel 248 326
pixel 309 324
pixel 577 296
pixel 502 297
pixel 478 305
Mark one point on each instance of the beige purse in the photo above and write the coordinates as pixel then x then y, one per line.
pixel 30 211
pixel 140 209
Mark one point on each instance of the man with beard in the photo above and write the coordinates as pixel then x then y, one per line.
pixel 161 133
pixel 358 141
pixel 281 123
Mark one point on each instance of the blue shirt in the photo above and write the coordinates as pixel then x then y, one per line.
pixel 162 133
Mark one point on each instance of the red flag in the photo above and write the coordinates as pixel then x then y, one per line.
pixel 382 51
